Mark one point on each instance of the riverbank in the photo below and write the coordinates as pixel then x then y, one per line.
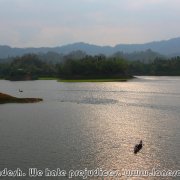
pixel 85 79
pixel 5 98
pixel 123 79
pixel 96 79
pixel 48 78
pixel 92 80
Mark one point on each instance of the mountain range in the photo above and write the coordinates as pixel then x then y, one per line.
pixel 167 48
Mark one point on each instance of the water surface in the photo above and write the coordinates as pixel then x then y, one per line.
pixel 92 125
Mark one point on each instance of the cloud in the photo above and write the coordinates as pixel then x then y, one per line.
pixel 140 4
pixel 56 22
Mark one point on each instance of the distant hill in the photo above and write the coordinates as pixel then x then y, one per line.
pixel 167 48
pixel 146 56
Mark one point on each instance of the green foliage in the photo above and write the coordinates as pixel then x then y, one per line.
pixel 30 66
pixel 97 66
pixel 159 67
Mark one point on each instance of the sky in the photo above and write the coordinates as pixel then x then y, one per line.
pixel 42 23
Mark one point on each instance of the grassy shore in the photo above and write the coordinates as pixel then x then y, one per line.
pixel 4 98
pixel 48 78
pixel 92 80
pixel 98 79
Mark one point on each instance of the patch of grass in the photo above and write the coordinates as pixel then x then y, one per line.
pixel 94 80
pixel 48 78
pixel 4 98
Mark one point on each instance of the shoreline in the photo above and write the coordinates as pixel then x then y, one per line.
pixel 83 79
pixel 5 98
pixel 94 80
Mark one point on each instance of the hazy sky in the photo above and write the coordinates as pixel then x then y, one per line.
pixel 25 23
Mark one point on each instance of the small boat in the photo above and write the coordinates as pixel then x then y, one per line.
pixel 20 90
pixel 138 147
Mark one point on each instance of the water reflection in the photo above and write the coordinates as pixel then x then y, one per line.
pixel 92 125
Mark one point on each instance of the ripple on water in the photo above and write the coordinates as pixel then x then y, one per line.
pixel 92 101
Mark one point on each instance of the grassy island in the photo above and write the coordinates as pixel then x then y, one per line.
pixel 4 98
pixel 96 79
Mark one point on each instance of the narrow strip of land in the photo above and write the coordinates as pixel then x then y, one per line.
pixel 92 80
pixel 5 98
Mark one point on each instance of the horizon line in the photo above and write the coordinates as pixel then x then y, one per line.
pixel 87 43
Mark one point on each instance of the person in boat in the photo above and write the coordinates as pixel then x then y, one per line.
pixel 138 147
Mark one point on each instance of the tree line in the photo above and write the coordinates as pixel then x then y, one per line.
pixel 31 66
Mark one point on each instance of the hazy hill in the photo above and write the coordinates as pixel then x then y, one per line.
pixel 168 48
pixel 146 56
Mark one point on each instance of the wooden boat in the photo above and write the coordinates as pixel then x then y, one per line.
pixel 138 147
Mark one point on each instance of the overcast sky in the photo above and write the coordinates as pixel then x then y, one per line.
pixel 25 23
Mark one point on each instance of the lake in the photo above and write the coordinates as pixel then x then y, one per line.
pixel 92 125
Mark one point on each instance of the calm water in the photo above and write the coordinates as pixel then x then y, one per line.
pixel 92 125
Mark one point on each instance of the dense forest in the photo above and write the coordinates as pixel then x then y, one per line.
pixel 82 66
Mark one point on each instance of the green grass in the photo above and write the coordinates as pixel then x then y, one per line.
pixel 94 80
pixel 86 80
pixel 48 78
